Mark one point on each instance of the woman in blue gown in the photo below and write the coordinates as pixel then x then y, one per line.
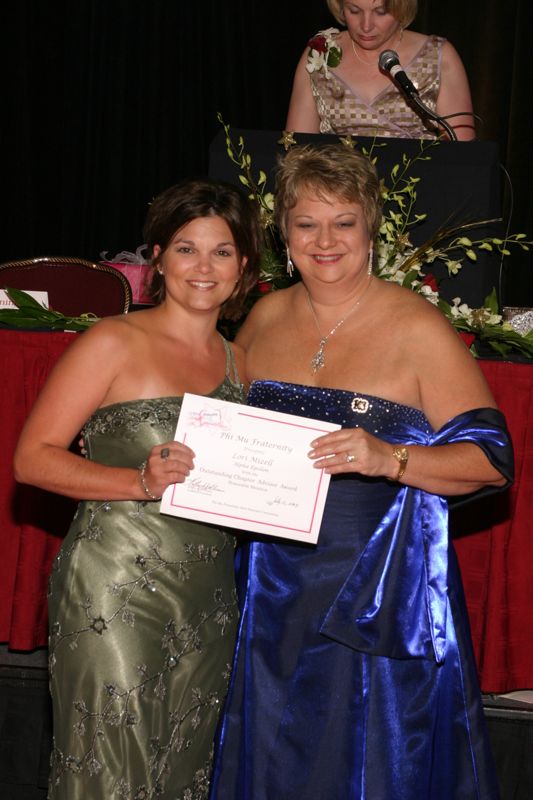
pixel 354 676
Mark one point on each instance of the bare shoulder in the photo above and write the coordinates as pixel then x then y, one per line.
pixel 447 374
pixel 416 315
pixel 424 330
pixel 102 348
pixel 451 60
pixel 448 50
pixel 414 38
pixel 80 380
pixel 123 327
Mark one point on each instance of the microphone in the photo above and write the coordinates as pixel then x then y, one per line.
pixel 390 62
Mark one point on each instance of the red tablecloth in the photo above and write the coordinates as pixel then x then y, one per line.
pixel 32 522
pixel 492 536
pixel 494 543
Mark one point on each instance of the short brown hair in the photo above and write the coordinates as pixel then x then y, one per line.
pixel 403 10
pixel 190 199
pixel 331 169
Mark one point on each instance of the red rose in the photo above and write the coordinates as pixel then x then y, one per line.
pixel 467 338
pixel 264 287
pixel 318 43
pixel 431 281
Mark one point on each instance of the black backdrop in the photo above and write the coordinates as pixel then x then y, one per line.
pixel 107 102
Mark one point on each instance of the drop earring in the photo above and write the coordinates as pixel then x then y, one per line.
pixel 370 260
pixel 290 265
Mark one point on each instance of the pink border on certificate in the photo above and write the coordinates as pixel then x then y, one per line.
pixel 320 476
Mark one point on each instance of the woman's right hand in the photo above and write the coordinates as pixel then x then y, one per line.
pixel 167 463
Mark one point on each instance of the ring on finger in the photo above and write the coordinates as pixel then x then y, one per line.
pixel 165 452
pixel 350 458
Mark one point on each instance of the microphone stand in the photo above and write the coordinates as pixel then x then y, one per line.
pixel 419 106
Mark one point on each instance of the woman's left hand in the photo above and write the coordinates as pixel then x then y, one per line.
pixel 353 450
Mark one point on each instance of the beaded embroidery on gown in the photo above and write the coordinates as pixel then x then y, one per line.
pixel 143 617
pixel 343 112
pixel 354 676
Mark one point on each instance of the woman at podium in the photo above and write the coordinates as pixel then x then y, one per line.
pixel 341 87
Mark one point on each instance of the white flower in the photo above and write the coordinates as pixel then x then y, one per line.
pixel 268 200
pixel 453 267
pixel 315 61
pixel 429 294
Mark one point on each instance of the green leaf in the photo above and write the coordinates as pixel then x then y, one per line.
pixel 491 302
pixel 22 299
pixel 334 57
pixel 411 276
pixel 500 347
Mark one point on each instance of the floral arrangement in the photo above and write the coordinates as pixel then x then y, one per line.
pixel 324 51
pixel 397 259
pixel 273 272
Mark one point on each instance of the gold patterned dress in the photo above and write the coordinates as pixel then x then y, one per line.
pixel 343 112
pixel 142 625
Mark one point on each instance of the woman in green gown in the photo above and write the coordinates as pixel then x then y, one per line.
pixel 142 606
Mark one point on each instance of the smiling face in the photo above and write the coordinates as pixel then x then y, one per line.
pixel 370 26
pixel 329 241
pixel 201 265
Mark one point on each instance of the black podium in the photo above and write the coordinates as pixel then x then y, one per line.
pixel 459 183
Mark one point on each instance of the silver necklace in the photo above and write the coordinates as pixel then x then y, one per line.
pixel 319 360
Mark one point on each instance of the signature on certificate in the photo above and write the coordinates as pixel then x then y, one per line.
pixel 200 486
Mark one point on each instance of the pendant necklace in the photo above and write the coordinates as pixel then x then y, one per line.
pixel 319 360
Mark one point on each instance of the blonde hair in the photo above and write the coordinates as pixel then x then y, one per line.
pixel 331 169
pixel 402 10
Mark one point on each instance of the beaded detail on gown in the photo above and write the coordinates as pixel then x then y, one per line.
pixel 354 676
pixel 142 626
pixel 343 112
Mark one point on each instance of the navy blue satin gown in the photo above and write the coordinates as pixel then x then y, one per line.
pixel 354 677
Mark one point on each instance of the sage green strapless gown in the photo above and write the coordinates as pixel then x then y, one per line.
pixel 143 618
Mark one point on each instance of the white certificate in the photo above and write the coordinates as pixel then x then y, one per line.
pixel 251 469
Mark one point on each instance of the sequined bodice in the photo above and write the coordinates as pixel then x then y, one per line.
pixel 342 111
pixel 122 434
pixel 380 417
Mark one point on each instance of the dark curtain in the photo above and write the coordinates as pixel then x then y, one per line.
pixel 107 102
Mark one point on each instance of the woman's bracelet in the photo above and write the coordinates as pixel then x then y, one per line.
pixel 144 485
pixel 401 454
